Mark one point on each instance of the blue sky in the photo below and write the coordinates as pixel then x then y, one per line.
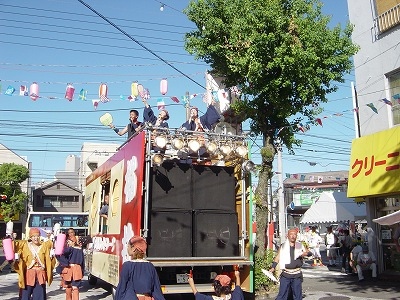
pixel 58 42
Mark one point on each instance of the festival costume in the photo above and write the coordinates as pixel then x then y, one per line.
pixel 71 268
pixel 138 280
pixel 207 120
pixel 148 116
pixel 290 262
pixel 237 294
pixel 34 268
pixel 132 128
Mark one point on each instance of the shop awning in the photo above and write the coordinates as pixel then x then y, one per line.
pixel 390 219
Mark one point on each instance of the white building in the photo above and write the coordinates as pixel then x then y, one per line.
pixel 92 156
pixel 375 160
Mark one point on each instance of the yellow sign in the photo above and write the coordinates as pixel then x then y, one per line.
pixel 375 164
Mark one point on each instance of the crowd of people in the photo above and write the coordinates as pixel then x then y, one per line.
pixel 36 260
pixel 356 257
pixel 354 252
pixel 195 122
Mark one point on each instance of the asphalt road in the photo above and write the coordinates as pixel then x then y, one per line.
pixel 9 289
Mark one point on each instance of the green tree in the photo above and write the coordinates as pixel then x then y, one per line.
pixel 11 176
pixel 284 57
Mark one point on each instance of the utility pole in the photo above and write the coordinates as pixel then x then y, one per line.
pixel 281 198
pixel 355 109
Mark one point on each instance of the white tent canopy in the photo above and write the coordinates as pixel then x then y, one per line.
pixel 333 207
pixel 390 219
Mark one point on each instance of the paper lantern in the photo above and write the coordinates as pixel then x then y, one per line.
pixel 59 244
pixel 8 248
pixel 69 92
pixel 140 88
pixel 163 86
pixel 103 90
pixel 34 91
pixel 134 89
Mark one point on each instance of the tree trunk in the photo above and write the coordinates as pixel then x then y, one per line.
pixel 261 195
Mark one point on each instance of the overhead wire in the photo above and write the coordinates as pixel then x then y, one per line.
pixel 91 16
pixel 139 43
pixel 161 41
pixel 80 50
pixel 86 51
pixel 89 44
pixel 69 19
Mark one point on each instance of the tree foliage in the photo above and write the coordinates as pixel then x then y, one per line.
pixel 11 176
pixel 281 53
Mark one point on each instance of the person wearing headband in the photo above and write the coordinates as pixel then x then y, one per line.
pixel 203 123
pixel 133 126
pixel 71 268
pixel 222 285
pixel 290 259
pixel 138 279
pixel 149 117
pixel 35 266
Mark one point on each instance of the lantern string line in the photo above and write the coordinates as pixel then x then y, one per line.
pixel 139 43
pixel 165 5
pixel 92 66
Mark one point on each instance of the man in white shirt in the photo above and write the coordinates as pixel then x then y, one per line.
pixel 366 261
pixel 314 241
pixel 357 249
pixel 331 242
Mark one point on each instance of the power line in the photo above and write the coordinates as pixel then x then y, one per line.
pixel 87 43
pixel 139 43
pixel 94 36
pixel 90 52
pixel 91 16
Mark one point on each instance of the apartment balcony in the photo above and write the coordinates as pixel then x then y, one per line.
pixel 389 19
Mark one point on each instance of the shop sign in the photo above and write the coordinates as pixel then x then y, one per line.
pixel 375 164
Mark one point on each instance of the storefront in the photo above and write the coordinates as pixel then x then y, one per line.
pixel 374 177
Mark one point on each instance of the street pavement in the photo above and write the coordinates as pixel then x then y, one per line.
pixel 9 288
pixel 320 283
pixel 329 283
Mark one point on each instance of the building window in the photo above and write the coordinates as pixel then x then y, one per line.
pixel 69 201
pixel 60 201
pixel 394 85
pixel 50 201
